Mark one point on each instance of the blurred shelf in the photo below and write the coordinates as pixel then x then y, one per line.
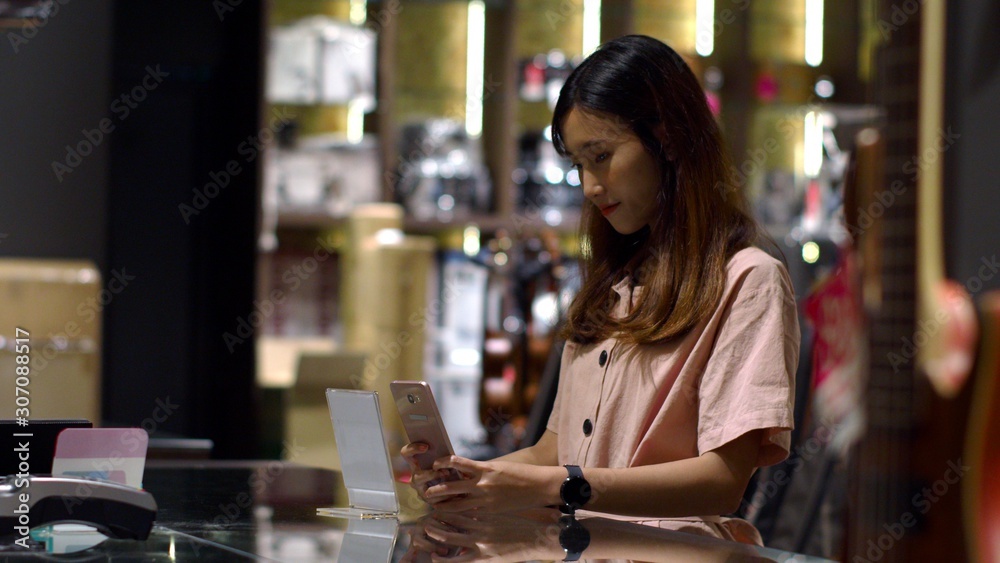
pixel 278 357
pixel 303 219
pixel 488 3
pixel 520 222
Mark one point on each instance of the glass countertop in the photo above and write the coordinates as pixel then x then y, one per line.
pixel 267 510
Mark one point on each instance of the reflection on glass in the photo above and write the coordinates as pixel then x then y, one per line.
pixel 369 540
pixel 536 535
pixel 67 538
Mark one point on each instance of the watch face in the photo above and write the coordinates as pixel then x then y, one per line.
pixel 575 491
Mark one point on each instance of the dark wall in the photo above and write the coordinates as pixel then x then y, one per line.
pixel 55 83
pixel 175 86
pixel 972 169
pixel 183 224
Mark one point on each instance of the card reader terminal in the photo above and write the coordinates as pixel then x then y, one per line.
pixel 116 510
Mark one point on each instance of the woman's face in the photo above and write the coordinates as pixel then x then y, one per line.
pixel 618 175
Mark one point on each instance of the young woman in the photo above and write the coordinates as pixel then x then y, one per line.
pixel 677 378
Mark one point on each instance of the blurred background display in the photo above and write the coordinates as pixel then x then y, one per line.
pixel 444 176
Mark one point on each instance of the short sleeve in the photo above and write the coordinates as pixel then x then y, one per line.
pixel 553 424
pixel 749 379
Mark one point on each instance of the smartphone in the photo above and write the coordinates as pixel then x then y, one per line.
pixel 422 420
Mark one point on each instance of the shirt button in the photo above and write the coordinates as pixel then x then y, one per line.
pixel 588 427
pixel 604 358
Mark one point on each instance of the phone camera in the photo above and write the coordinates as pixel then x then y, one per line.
pixel 411 398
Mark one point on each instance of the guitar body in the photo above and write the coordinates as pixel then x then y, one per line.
pixel 981 489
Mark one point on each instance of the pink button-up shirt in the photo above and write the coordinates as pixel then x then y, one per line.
pixel 620 405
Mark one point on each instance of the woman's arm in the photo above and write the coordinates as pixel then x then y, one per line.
pixel 544 452
pixel 712 483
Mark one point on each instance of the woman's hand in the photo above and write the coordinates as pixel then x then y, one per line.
pixel 492 486
pixel 475 536
pixel 421 479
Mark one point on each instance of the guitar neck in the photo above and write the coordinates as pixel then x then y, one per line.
pixel 881 475
pixel 908 506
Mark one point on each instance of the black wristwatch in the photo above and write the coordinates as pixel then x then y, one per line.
pixel 575 490
pixel 573 537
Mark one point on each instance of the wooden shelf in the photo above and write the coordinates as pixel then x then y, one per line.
pixel 525 222
pixel 303 219
pixel 499 136
pixel 518 223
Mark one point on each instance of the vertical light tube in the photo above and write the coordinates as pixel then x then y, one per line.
pixel 812 156
pixel 591 26
pixel 474 65
pixel 359 11
pixel 814 32
pixel 355 121
pixel 355 109
pixel 704 38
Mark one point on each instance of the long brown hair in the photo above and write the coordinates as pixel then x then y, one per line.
pixel 703 218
